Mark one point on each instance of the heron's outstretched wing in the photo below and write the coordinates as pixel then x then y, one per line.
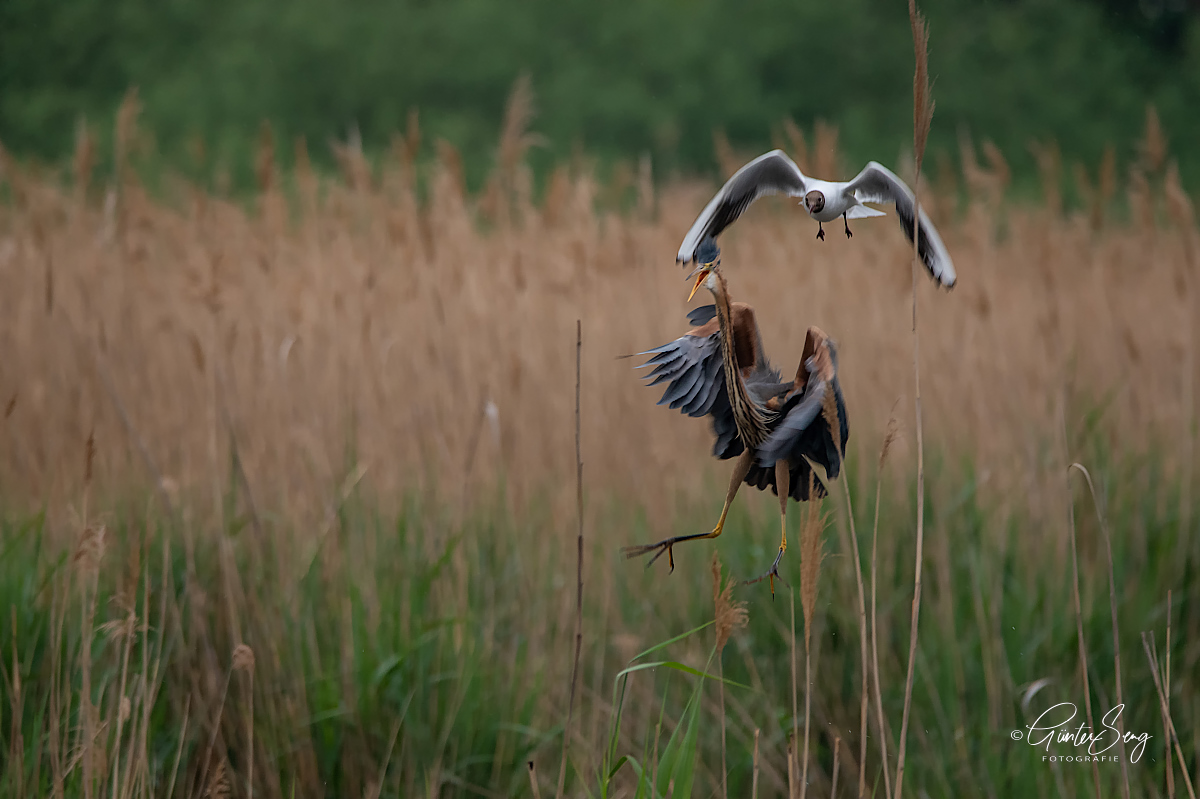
pixel 878 184
pixel 693 369
pixel 812 424
pixel 770 173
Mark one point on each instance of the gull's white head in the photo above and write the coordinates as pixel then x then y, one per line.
pixel 814 201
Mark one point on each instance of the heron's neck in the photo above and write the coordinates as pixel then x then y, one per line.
pixel 750 417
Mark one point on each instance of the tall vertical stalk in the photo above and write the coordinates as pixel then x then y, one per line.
pixel 922 114
pixel 562 768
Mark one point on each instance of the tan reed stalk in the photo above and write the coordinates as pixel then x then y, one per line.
pixel 1164 700
pixel 562 768
pixel 533 783
pixel 1166 726
pixel 810 575
pixel 888 439
pixel 728 616
pixel 922 116
pixel 754 777
pixel 205 764
pixel 89 553
pixel 243 660
pixel 126 630
pixel 1112 603
pixel 16 748
pixel 1181 211
pixel 791 752
pixel 862 634
pixel 1087 694
pixel 791 760
pixel 837 751
pixel 187 706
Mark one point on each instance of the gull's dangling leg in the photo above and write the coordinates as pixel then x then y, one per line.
pixel 820 231
pixel 740 469
pixel 783 485
pixel 846 222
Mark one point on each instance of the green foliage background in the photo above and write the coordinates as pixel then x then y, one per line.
pixel 618 78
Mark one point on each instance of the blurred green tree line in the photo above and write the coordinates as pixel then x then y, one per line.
pixel 615 79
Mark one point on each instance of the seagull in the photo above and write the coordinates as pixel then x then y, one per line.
pixel 775 173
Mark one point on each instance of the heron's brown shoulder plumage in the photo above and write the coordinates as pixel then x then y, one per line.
pixel 706 330
pixel 745 335
pixel 816 346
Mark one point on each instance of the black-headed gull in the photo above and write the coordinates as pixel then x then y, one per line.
pixel 775 173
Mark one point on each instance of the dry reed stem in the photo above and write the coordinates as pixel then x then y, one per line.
pixel 810 575
pixel 1083 664
pixel 533 783
pixel 889 438
pixel 754 777
pixel 562 769
pixel 728 615
pixel 922 117
pixel 1112 603
pixel 864 652
pixel 1166 722
pixel 837 748
pixel 1164 700
pixel 791 764
pixel 791 750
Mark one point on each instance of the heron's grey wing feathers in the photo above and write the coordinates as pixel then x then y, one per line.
pixel 770 173
pixel 796 420
pixel 804 431
pixel 692 368
pixel 878 184
pixel 702 315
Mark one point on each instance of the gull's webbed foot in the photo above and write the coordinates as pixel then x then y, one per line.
pixel 846 222
pixel 820 231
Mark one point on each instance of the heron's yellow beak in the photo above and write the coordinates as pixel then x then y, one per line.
pixel 701 273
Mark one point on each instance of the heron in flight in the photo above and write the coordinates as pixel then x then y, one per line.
pixel 775 173
pixel 774 427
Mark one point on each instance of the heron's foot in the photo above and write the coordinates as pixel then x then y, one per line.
pixel 820 231
pixel 658 549
pixel 772 572
pixel 666 546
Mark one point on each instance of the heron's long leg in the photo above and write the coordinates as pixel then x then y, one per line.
pixel 846 222
pixel 740 469
pixel 783 485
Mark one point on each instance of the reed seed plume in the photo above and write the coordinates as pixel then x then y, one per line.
pixel 797 144
pixel 264 158
pixel 1049 162
pixel 516 138
pixel 1153 147
pixel 922 96
pixel 84 158
pixel 730 614
pixel 126 140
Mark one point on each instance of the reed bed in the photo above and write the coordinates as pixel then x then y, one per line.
pixel 333 422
